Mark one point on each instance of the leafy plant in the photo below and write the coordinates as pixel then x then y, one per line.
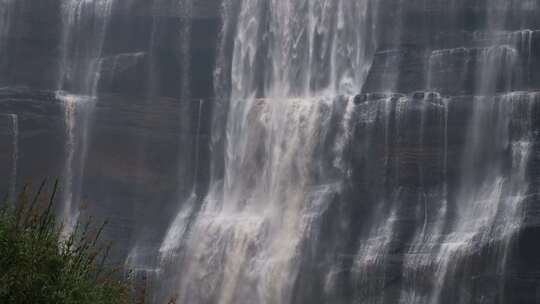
pixel 40 265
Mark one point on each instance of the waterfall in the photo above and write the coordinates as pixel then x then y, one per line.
pixel 84 27
pixel 285 113
pixel 490 201
pixel 293 146
pixel 351 151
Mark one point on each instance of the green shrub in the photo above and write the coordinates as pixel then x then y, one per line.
pixel 38 265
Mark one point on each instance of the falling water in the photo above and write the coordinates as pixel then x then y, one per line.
pixel 246 242
pixel 490 200
pixel 176 232
pixel 84 26
pixel 75 146
pixel 83 34
pixel 289 71
pixel 185 10
pixel 362 151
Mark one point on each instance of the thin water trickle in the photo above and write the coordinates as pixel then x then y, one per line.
pixel 76 123
pixel 84 27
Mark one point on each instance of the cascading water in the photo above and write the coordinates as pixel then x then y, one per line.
pixel 490 199
pixel 487 210
pixel 84 27
pixel 291 62
pixel 359 151
pixel 264 227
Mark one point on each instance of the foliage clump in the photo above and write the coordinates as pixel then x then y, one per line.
pixel 41 265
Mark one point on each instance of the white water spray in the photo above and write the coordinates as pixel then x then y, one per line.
pixel 246 242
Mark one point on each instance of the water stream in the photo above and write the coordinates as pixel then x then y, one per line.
pixel 84 28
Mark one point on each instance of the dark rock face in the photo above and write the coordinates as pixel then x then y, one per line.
pixel 449 113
